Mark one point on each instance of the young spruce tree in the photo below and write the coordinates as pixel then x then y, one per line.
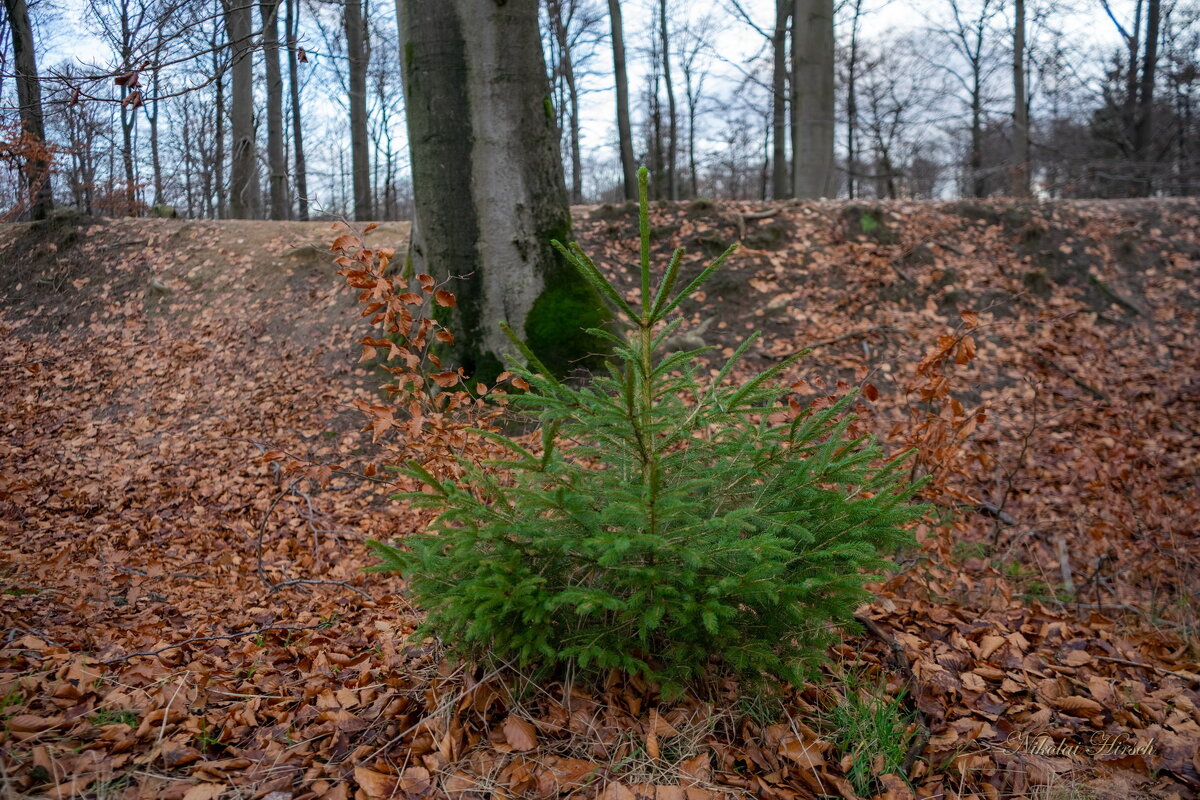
pixel 665 521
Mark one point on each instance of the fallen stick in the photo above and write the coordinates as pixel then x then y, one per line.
pixel 1064 563
pixel 846 337
pixel 1082 384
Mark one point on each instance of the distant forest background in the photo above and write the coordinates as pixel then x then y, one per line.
pixel 154 106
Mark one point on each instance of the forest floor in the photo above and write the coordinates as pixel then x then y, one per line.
pixel 182 620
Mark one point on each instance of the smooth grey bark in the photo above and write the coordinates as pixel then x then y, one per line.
pixel 781 183
pixel 488 185
pixel 29 97
pixel 812 98
pixel 1020 141
pixel 292 24
pixel 621 78
pixel 358 53
pixel 276 159
pixel 243 169
pixel 673 122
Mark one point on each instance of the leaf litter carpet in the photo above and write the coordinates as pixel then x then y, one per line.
pixel 183 619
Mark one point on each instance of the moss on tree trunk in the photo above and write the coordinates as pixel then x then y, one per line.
pixel 488 183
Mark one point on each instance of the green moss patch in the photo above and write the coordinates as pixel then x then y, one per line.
pixel 555 326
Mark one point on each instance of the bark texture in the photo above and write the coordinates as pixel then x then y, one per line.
pixel 243 171
pixel 488 182
pixel 621 77
pixel 812 98
pixel 29 96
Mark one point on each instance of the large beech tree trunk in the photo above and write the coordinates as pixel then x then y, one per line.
pixel 358 51
pixel 624 130
pixel 243 171
pixel 488 182
pixel 276 159
pixel 812 98
pixel 29 96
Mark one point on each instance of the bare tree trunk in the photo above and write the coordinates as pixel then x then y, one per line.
pixel 276 159
pixel 29 96
pixel 243 171
pixel 657 166
pixel 567 70
pixel 155 160
pixel 488 181
pixel 128 119
pixel 1020 184
pixel 1133 43
pixel 1145 115
pixel 188 162
pixel 292 23
pixel 780 174
pixel 672 124
pixel 693 100
pixel 852 105
pixel 812 98
pixel 218 162
pixel 978 186
pixel 624 132
pixel 358 52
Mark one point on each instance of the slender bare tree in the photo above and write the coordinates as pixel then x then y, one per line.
pixel 621 79
pixel 358 52
pixel 673 117
pixel 1020 137
pixel 29 98
pixel 781 178
pixel 969 34
pixel 276 158
pixel 292 24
